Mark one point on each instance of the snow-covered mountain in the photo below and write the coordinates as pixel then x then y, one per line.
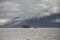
pixel 47 21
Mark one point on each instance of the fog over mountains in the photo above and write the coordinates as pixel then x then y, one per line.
pixel 43 22
pixel 36 13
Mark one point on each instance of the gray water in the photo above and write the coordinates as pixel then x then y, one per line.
pixel 29 34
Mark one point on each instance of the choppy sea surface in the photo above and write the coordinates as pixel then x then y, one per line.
pixel 29 34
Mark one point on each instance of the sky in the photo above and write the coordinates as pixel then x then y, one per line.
pixel 27 9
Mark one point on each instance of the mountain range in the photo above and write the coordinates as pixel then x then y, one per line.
pixel 42 22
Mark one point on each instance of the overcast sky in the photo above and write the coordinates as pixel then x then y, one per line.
pixel 27 9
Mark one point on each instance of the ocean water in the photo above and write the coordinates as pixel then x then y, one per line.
pixel 29 34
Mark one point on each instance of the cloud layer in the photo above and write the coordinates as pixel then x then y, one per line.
pixel 27 9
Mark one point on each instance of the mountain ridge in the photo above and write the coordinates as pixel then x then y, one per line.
pixel 44 22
